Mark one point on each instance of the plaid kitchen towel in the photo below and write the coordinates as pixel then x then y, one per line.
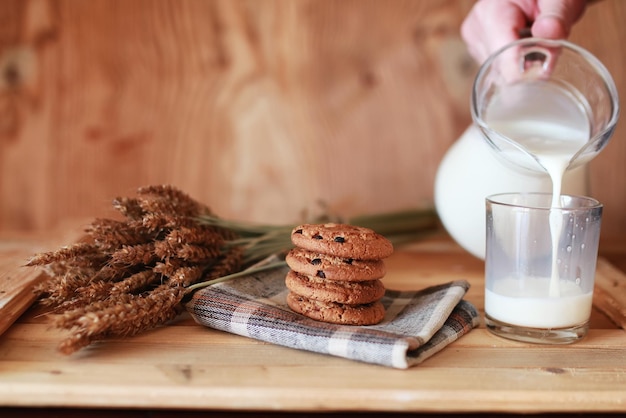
pixel 417 324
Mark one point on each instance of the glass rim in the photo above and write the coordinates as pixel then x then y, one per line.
pixel 499 199
pixel 609 82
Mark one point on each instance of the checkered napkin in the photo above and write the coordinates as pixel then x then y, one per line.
pixel 417 324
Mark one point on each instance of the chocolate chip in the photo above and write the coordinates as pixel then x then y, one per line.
pixel 321 274
pixel 316 261
pixel 340 239
pixel 317 236
pixel 297 231
pixel 348 260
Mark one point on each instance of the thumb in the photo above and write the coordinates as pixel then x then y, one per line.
pixel 555 18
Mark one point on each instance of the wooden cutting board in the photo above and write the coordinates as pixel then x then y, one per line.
pixel 187 366
pixel 18 281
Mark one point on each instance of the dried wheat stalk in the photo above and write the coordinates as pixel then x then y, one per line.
pixel 131 275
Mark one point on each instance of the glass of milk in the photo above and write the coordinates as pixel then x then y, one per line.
pixel 540 265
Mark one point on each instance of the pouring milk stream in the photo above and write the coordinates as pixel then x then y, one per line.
pixel 552 142
pixel 542 118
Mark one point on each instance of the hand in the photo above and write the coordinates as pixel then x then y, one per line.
pixel 491 24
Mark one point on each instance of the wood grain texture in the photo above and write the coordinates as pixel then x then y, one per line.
pixel 17 282
pixel 261 109
pixel 187 366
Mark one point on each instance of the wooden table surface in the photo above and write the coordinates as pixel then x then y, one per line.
pixel 185 366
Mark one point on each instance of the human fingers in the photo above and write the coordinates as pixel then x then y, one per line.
pixel 491 24
pixel 555 18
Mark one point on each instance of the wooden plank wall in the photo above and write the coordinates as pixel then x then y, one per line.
pixel 259 108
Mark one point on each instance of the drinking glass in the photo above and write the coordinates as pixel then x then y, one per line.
pixel 540 266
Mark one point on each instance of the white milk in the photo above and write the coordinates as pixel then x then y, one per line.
pixel 529 306
pixel 470 171
pixel 553 145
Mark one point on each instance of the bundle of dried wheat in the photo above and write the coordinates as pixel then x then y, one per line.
pixel 130 275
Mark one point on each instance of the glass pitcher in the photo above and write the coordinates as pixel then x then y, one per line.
pixel 530 97
pixel 538 97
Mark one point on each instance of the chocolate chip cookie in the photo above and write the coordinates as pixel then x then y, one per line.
pixel 324 266
pixel 337 313
pixel 342 240
pixel 351 293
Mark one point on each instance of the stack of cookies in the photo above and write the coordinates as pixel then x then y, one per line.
pixel 335 272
